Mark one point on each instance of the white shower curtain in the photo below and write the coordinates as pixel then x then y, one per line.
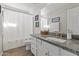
pixel 16 28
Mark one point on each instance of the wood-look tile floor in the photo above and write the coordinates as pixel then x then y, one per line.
pixel 21 51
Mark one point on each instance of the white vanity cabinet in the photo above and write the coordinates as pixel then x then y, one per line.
pixel 43 48
pixel 66 53
pixel 33 45
pixel 53 50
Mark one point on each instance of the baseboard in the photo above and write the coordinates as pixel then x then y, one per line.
pixel 1 53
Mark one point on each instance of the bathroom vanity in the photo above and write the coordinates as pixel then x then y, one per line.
pixel 53 46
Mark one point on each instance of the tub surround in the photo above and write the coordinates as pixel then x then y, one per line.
pixel 70 45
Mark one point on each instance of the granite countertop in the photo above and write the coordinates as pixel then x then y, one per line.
pixel 70 45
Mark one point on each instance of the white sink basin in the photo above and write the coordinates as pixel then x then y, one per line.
pixel 56 39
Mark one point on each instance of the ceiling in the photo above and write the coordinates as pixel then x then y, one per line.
pixel 35 6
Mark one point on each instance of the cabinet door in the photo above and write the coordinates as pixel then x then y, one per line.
pixel 33 50
pixel 33 45
pixel 42 51
pixel 52 49
pixel 66 53
pixel 39 43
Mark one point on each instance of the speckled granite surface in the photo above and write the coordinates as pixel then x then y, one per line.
pixel 70 45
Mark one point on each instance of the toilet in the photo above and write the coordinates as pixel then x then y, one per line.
pixel 28 44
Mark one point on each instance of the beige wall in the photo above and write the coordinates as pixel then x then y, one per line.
pixel 59 10
pixel 63 19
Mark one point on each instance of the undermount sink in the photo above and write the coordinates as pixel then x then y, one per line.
pixel 56 39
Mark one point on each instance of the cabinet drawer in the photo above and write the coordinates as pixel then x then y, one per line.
pixel 39 42
pixel 33 40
